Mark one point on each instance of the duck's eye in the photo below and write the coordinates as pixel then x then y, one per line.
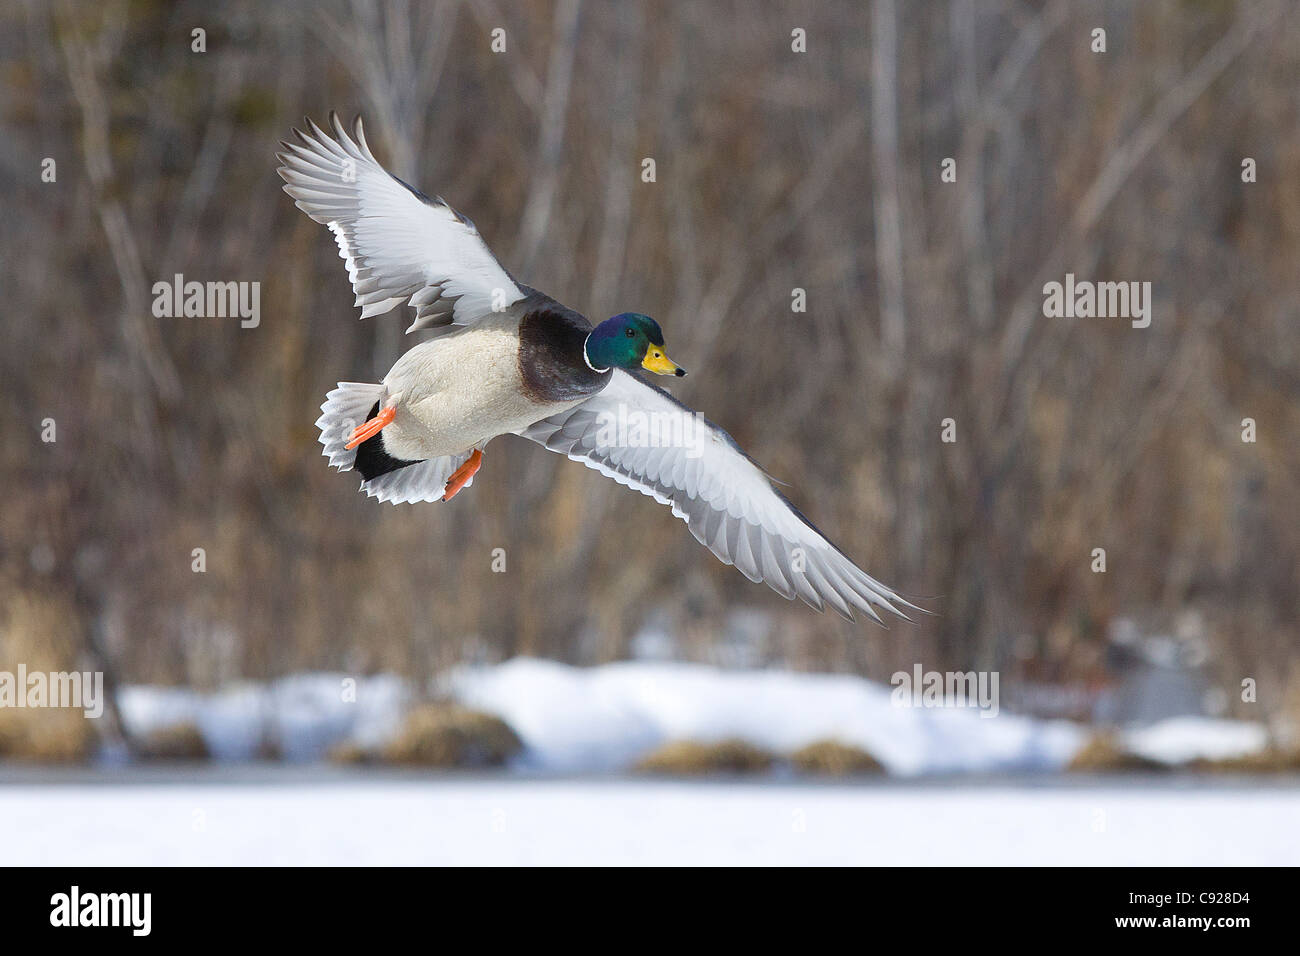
pixel 630 333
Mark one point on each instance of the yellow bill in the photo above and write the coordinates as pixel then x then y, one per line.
pixel 656 361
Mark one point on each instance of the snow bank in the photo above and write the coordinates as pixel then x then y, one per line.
pixel 302 716
pixel 1182 739
pixel 604 718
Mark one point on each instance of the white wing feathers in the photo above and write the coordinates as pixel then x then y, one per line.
pixel 399 245
pixel 643 438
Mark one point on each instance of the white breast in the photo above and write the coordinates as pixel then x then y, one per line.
pixel 459 390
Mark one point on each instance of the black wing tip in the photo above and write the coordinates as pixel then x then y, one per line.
pixel 423 197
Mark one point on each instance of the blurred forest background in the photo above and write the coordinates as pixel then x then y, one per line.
pixel 776 170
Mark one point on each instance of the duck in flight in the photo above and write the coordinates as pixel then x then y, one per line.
pixel 507 359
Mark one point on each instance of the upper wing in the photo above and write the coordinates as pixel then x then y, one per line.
pixel 398 243
pixel 642 437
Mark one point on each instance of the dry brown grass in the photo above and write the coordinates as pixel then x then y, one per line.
pixel 834 758
pixel 176 742
pixel 447 735
pixel 350 752
pixel 40 632
pixel 1105 753
pixel 47 736
pixel 693 757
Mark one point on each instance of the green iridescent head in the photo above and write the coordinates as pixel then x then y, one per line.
pixel 629 340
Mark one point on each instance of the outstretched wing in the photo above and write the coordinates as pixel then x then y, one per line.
pixel 642 437
pixel 399 244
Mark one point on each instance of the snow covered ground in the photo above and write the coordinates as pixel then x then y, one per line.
pixel 332 817
pixel 602 719
pixel 568 799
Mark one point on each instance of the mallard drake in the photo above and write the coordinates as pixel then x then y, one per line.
pixel 508 359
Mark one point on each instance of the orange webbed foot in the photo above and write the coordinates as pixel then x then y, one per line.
pixel 372 428
pixel 461 476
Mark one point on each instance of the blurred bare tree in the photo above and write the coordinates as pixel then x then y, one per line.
pixel 776 170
